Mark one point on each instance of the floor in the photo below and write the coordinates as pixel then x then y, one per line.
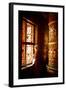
pixel 34 72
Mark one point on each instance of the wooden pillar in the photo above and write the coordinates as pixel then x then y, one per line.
pixel 53 42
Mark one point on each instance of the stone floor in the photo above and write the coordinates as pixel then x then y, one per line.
pixel 33 72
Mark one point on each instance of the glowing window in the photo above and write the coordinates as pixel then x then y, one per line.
pixel 29 40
